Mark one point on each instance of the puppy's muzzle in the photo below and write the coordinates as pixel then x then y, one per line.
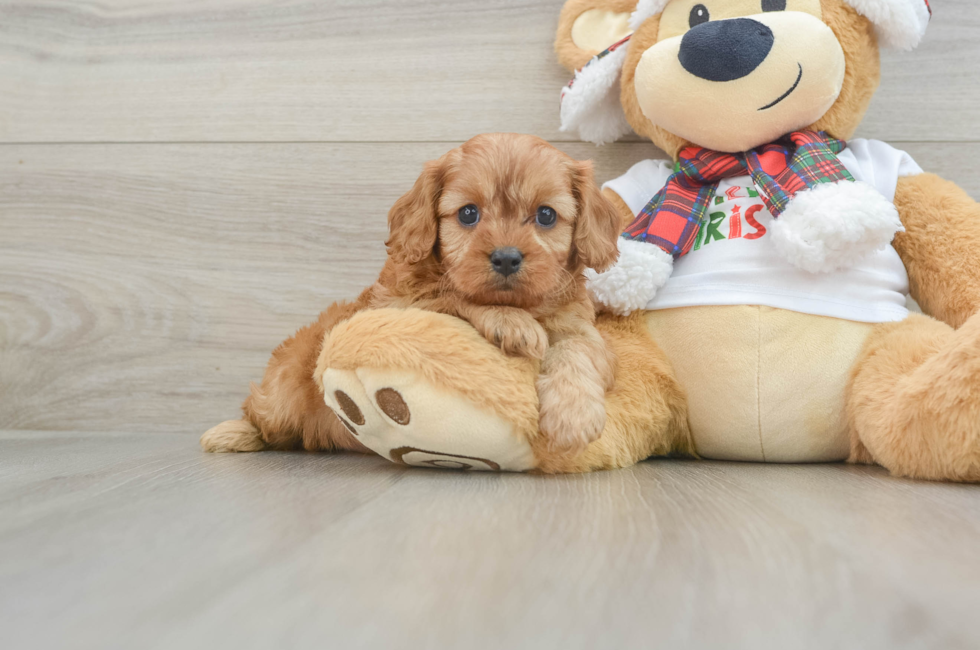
pixel 506 261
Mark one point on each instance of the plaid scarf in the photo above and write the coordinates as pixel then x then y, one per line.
pixel 800 161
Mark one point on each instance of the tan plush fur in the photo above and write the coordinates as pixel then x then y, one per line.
pixel 416 340
pixel 863 72
pixel 569 54
pixel 914 400
pixel 645 417
pixel 854 32
pixel 437 263
pixel 861 78
pixel 940 246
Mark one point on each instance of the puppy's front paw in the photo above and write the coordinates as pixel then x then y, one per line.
pixel 516 332
pixel 571 416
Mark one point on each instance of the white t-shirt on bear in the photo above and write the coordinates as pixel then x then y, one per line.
pixel 734 262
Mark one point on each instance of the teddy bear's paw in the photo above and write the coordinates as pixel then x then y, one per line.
pixel 572 415
pixel 344 393
pixel 232 436
pixel 402 417
pixel 834 226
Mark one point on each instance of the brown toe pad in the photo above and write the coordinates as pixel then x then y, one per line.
pixel 393 405
pixel 349 408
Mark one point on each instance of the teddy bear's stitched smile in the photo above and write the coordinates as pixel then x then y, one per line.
pixel 789 92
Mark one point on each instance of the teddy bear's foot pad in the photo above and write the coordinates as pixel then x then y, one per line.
pixel 409 421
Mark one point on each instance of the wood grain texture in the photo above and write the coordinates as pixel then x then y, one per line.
pixel 143 286
pixel 124 541
pixel 144 279
pixel 361 70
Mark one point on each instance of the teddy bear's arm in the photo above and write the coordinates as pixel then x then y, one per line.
pixel 940 246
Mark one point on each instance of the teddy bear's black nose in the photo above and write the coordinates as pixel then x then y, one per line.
pixel 725 50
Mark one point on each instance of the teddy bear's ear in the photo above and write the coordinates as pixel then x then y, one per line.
pixel 587 27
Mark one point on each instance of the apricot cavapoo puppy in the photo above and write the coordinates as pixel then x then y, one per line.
pixel 498 232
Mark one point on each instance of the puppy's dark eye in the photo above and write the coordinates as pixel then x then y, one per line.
pixel 699 14
pixel 774 5
pixel 546 217
pixel 469 215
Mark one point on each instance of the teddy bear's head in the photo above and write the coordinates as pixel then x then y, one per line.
pixel 727 75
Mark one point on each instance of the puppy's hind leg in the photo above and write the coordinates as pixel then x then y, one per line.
pixel 233 436
pixel 287 411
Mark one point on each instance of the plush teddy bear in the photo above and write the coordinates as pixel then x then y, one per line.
pixel 758 307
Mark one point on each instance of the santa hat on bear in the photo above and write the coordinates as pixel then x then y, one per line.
pixel 900 24
pixel 590 103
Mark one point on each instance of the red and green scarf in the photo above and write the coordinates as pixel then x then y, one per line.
pixel 797 162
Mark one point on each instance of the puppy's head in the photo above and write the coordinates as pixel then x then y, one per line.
pixel 510 219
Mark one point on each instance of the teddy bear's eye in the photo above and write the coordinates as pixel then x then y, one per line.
pixel 699 14
pixel 469 215
pixel 774 5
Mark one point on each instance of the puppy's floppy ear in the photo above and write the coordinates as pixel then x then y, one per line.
pixel 598 226
pixel 413 222
pixel 587 27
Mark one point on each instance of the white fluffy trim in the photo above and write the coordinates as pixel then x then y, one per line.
pixel 635 279
pixel 591 106
pixel 646 9
pixel 900 24
pixel 834 226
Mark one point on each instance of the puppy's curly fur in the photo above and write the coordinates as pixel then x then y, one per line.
pixel 438 263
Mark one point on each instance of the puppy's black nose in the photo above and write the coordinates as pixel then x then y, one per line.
pixel 506 261
pixel 725 50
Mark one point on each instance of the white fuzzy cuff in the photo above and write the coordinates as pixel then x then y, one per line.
pixel 634 280
pixel 591 106
pixel 899 24
pixel 834 226
pixel 646 9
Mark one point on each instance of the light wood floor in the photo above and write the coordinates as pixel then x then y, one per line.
pixel 140 541
pixel 183 183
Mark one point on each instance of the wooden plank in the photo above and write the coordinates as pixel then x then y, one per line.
pixel 361 70
pixel 143 541
pixel 143 286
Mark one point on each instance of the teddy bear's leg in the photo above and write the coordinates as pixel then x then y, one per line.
pixel 422 388
pixel 914 400
pixel 425 389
